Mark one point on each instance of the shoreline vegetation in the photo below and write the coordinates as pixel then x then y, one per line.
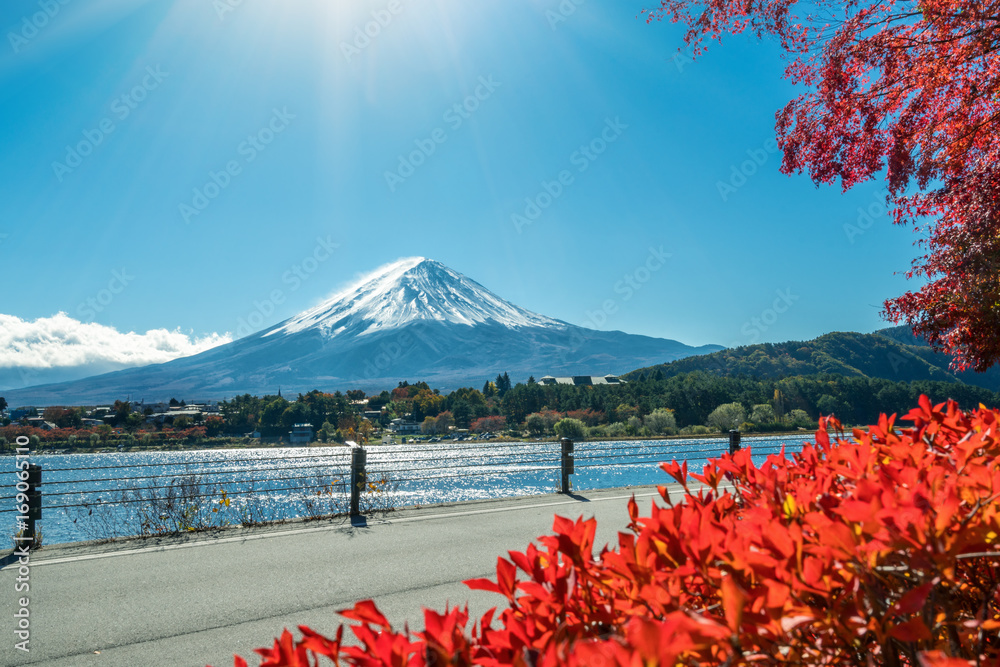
pixel 187 505
pixel 648 406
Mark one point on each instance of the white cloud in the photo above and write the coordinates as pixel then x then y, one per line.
pixel 63 342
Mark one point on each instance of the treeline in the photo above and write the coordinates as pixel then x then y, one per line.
pixel 893 354
pixel 275 415
pixel 648 405
pixel 690 397
pixel 694 396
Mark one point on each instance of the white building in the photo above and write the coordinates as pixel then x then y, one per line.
pixel 301 434
pixel 402 426
pixel 580 380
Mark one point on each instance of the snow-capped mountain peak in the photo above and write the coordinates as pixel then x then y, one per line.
pixel 412 319
pixel 408 290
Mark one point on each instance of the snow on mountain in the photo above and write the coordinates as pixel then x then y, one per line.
pixel 409 290
pixel 414 319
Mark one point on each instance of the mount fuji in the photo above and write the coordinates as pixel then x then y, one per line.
pixel 415 319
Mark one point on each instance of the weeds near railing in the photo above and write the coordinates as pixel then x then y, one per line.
pixel 380 496
pixel 36 542
pixel 255 508
pixel 329 497
pixel 185 504
pixel 99 520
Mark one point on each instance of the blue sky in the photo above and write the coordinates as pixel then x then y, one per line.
pixel 171 164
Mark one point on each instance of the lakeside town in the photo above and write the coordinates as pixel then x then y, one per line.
pixel 414 412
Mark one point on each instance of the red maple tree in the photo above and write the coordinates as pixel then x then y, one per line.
pixel 910 89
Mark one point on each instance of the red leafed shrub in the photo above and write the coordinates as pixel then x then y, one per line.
pixel 489 424
pixel 589 417
pixel 12 432
pixel 875 550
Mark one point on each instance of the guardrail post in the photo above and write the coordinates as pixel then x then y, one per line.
pixel 566 464
pixel 734 441
pixel 359 478
pixel 34 502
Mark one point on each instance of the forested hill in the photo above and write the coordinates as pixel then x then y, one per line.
pixel 892 354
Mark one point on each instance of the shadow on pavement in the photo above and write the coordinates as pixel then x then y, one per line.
pixel 9 559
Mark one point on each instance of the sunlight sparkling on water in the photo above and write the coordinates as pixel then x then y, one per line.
pixel 85 493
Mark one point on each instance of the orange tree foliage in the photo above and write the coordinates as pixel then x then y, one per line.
pixel 911 90
pixel 875 550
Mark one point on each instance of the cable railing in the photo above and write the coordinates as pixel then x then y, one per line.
pixel 177 494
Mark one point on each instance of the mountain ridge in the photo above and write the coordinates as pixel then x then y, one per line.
pixel 412 319
pixel 892 354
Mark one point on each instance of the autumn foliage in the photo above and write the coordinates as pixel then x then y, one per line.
pixel 906 91
pixel 879 549
pixel 489 424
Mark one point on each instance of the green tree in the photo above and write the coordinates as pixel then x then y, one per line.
pixel 660 421
pixel 617 430
pixel 427 403
pixel 515 405
pixel 242 414
pixel 622 412
pixel 763 413
pixel 365 430
pixel 428 426
pixel 574 429
pixel 536 424
pixel 327 431
pixel 213 425
pixel 830 405
pixel 377 402
pixel 133 421
pixel 296 413
pixel 800 418
pixel 63 417
pixel 444 421
pixel 462 413
pixel 502 384
pixel 270 416
pixel 122 410
pixel 727 416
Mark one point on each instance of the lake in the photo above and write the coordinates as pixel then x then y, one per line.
pixel 91 496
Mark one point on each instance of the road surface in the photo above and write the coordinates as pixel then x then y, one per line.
pixel 200 599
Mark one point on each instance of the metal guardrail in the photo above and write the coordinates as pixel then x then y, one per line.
pixel 353 464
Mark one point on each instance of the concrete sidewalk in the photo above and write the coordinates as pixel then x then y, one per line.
pixel 197 599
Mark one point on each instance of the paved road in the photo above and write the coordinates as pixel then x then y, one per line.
pixel 197 601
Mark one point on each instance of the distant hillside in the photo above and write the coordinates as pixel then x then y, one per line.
pixel 892 354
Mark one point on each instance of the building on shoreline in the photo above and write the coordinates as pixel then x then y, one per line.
pixel 301 434
pixel 582 380
pixel 403 426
